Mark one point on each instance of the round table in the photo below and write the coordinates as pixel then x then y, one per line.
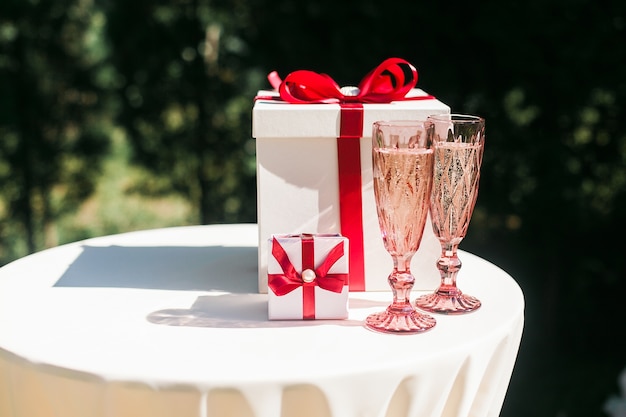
pixel 169 323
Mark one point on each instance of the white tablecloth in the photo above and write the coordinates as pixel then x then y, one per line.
pixel 169 323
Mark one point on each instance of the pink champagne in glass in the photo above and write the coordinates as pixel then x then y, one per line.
pixel 402 167
pixel 458 143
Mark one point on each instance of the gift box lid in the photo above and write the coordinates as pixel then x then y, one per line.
pixel 278 119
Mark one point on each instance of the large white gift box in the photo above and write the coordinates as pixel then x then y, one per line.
pixel 298 182
pixel 308 277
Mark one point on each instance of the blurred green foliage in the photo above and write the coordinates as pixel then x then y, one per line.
pixel 54 119
pixel 143 110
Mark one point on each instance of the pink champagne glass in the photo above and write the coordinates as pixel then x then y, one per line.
pixel 402 167
pixel 458 144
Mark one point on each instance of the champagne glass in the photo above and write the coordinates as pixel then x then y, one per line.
pixel 458 144
pixel 402 164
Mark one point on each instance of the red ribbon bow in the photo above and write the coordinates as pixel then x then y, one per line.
pixel 290 279
pixel 389 81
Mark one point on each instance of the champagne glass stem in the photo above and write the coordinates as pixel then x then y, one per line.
pixel 449 265
pixel 401 282
pixel 401 316
pixel 448 299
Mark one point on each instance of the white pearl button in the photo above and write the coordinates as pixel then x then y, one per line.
pixel 308 275
pixel 350 91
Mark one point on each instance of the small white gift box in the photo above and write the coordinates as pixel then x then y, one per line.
pixel 308 277
pixel 304 155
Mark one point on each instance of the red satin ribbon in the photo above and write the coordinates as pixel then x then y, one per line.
pixel 291 279
pixel 350 194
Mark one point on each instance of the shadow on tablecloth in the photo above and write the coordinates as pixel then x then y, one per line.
pixel 164 267
pixel 243 311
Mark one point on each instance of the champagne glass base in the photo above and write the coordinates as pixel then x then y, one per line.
pixel 400 323
pixel 457 303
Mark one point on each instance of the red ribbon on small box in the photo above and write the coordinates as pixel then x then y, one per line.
pixel 389 81
pixel 310 277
